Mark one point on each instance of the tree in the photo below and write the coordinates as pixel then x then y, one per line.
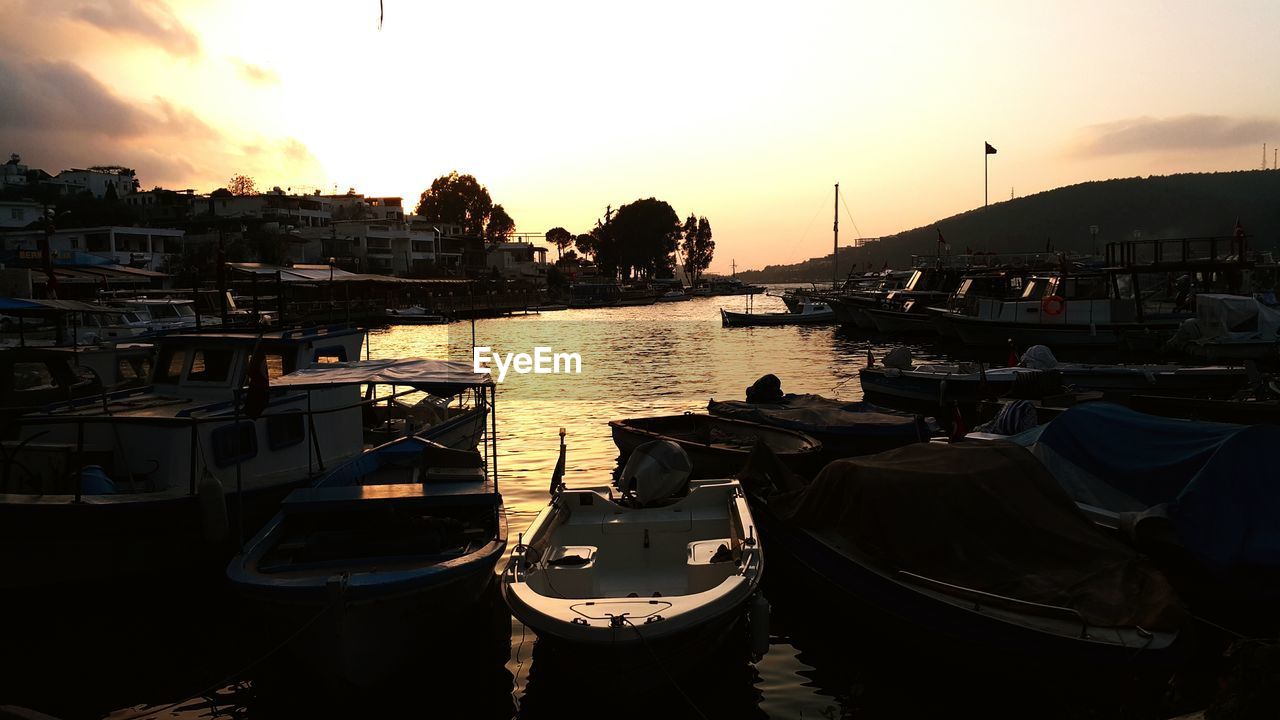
pixel 646 234
pixel 688 240
pixel 242 185
pixel 457 200
pixel 561 238
pixel 698 255
pixel 500 225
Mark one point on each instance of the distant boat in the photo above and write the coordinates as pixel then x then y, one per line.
pixel 809 314
pixel 718 447
pixel 414 315
pixel 674 296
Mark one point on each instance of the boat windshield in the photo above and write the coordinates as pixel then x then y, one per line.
pixel 1036 288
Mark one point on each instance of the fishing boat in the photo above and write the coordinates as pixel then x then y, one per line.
pixel 376 548
pixel 665 569
pixel 928 386
pixel 1229 327
pixel 151 479
pixel 809 314
pixel 972 547
pixel 905 311
pixel 677 295
pixel 414 315
pixel 718 447
pixel 594 293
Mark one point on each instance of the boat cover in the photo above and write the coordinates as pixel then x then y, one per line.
pixel 1218 480
pixel 985 516
pixel 816 414
pixel 438 377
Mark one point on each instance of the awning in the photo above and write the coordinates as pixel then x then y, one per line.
pixel 18 306
pixel 438 377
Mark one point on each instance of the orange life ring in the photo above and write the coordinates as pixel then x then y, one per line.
pixel 1053 305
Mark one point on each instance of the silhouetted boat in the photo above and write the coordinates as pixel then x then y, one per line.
pixel 718 447
pixel 809 314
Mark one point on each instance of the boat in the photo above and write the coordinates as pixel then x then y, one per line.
pixel 714 287
pixel 184 464
pixel 677 295
pixel 905 311
pixel 1229 327
pixel 414 315
pixel 851 303
pixel 594 293
pixel 926 387
pixel 386 546
pixel 1239 411
pixel 1205 491
pixel 718 447
pixel 845 429
pixel 809 314
pixel 972 549
pixel 663 571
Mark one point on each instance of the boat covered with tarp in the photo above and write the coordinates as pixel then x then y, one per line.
pixel 1214 482
pixel 976 543
pixel 718 447
pixel 1229 327
pixel 843 428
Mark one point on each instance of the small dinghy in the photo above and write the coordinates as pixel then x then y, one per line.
pixel 808 314
pixel 718 447
pixel 668 567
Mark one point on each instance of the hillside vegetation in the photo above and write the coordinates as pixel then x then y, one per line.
pixel 1188 205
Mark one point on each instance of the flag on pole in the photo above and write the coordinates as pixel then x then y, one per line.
pixel 1239 229
pixel 990 150
pixel 942 242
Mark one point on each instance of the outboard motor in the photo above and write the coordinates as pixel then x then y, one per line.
pixel 655 471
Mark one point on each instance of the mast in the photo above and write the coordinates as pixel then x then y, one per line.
pixel 835 242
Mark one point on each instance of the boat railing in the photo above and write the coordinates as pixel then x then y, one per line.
pixel 484 397
pixel 1230 251
pixel 979 598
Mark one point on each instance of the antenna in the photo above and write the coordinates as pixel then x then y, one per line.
pixel 1264 156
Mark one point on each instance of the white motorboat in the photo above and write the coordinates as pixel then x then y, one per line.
pixel 670 572
pixel 414 315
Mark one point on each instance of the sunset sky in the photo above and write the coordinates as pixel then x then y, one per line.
pixel 744 112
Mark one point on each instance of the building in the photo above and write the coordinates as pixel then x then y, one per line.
pixel 355 206
pixel 19 213
pixel 96 180
pixel 136 247
pixel 291 211
pixel 390 247
pixel 518 261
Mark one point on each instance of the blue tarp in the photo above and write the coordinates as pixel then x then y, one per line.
pixel 1221 482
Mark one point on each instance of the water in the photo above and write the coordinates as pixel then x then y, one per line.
pixel 659 359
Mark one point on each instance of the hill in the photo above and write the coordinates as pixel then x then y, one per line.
pixel 1187 205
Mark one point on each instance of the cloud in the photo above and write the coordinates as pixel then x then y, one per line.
pixel 1185 132
pixel 256 74
pixel 152 20
pixel 51 94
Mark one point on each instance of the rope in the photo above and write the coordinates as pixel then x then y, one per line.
pixel 644 641
pixel 229 679
pixel 850 216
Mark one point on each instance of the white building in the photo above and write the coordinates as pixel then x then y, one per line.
pixel 519 261
pixel 387 248
pixel 296 211
pixel 96 181
pixel 19 213
pixel 140 247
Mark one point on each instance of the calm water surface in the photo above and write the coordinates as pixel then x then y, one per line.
pixel 659 359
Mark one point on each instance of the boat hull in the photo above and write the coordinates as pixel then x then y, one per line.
pixel 901 611
pixel 798 451
pixel 973 331
pixel 892 322
pixel 736 319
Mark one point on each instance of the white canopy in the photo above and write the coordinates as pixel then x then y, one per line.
pixel 438 377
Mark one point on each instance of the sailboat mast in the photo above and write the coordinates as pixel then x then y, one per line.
pixel 835 242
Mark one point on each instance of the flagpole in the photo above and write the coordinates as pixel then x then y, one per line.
pixel 985 154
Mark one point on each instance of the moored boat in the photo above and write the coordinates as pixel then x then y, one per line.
pixel 718 447
pixel 973 547
pixel 659 574
pixel 809 314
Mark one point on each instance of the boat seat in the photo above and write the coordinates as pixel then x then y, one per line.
pixel 708 565
pixel 570 571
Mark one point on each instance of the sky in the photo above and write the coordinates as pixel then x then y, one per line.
pixel 746 113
